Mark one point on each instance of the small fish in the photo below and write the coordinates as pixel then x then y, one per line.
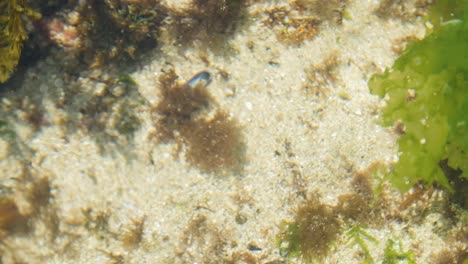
pixel 202 77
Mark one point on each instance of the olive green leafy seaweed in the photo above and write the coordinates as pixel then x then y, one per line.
pixel 12 34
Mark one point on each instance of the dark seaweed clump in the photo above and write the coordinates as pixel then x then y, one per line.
pixel 208 19
pixel 315 226
pixel 189 116
pixel 117 29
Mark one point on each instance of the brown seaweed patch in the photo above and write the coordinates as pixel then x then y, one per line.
pixel 298 30
pixel 99 32
pixel 353 206
pixel 295 23
pixel 400 44
pixel 209 21
pixel 203 242
pixel 290 29
pixel 361 206
pixel 310 236
pixel 320 77
pixel 214 144
pixel 9 213
pixel 132 233
pixel 178 105
pixel 451 256
pixel 403 10
pixel 324 10
pixel 190 116
pixel 316 226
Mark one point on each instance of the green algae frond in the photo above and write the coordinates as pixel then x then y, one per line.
pixel 426 93
pixel 358 236
pixel 394 254
pixel 12 34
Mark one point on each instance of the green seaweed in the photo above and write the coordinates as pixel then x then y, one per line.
pixel 426 92
pixel 127 80
pixel 288 241
pixel 358 236
pixel 396 255
pixel 12 34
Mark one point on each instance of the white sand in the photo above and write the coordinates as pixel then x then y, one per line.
pixel 163 198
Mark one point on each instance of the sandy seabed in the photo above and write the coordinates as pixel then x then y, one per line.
pixel 308 127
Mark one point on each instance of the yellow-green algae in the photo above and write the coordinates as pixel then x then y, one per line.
pixel 426 91
pixel 12 34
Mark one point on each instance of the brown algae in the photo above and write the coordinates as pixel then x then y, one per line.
pixel 189 116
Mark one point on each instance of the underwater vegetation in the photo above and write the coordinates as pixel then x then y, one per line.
pixel 107 110
pixel 209 24
pixel 426 95
pixel 24 205
pixel 291 30
pixel 188 115
pixel 300 21
pixel 115 29
pixel 331 11
pixel 317 227
pixel 405 10
pixel 394 254
pixel 207 238
pixel 9 213
pixel 207 17
pixel 310 235
pixel 358 236
pixel 93 33
pixel 317 230
pixel 12 34
pixel 322 76
pixel 454 254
